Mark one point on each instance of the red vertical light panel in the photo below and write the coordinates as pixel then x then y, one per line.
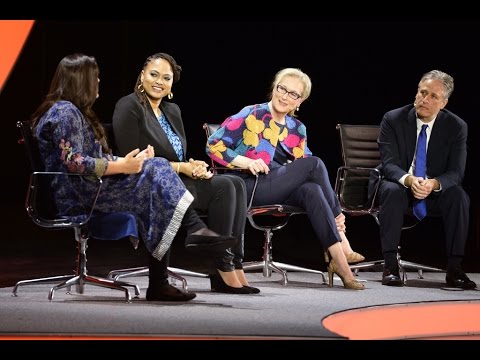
pixel 13 34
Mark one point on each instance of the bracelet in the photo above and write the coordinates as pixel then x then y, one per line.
pixel 178 168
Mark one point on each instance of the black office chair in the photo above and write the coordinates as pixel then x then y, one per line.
pixel 40 207
pixel 280 212
pixel 173 273
pixel 361 156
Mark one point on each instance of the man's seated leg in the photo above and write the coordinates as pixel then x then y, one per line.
pixel 455 204
pixel 394 201
pixel 456 277
pixel 391 273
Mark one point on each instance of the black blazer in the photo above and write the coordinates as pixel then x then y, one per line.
pixel 136 128
pixel 447 147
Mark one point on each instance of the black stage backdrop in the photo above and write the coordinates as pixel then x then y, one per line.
pixel 359 68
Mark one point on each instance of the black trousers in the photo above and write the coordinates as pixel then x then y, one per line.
pixel 304 183
pixel 451 204
pixel 223 198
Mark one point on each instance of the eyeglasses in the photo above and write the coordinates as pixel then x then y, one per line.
pixel 292 94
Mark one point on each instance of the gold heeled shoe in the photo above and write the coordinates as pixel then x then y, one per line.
pixel 354 257
pixel 332 268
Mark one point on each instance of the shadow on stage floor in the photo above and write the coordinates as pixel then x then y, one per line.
pixel 303 309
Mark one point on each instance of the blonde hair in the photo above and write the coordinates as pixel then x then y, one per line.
pixel 296 73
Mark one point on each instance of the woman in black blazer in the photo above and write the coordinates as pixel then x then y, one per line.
pixel 143 118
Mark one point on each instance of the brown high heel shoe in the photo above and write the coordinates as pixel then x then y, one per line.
pixel 354 257
pixel 332 268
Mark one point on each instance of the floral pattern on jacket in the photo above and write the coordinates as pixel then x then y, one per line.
pixel 253 133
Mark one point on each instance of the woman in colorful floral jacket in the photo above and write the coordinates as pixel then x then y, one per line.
pixel 269 140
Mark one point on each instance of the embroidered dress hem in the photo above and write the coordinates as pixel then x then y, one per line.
pixel 173 227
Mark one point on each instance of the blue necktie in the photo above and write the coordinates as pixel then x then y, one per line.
pixel 420 206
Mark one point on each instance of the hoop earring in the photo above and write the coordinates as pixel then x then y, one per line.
pixel 140 88
pixel 170 96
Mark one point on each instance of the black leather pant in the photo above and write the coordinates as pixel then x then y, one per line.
pixel 223 199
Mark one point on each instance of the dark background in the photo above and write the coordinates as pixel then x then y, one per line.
pixel 360 68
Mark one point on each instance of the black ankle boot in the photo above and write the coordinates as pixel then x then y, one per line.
pixel 167 292
pixel 158 287
pixel 218 285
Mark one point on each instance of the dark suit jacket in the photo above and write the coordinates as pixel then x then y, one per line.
pixel 136 128
pixel 447 147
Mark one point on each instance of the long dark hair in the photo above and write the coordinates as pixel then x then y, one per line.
pixel 75 80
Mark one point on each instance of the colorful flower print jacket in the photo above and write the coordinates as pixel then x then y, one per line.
pixel 254 134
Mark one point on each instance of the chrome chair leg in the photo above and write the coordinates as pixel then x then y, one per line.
pixel 176 277
pixel 419 267
pixel 299 268
pixel 40 281
pixel 403 266
pixel 187 272
pixel 137 271
pixel 366 265
pixel 82 280
pixel 174 273
pixel 268 265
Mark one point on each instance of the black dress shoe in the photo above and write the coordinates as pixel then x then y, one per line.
pixel 218 285
pixel 253 290
pixel 458 279
pixel 391 278
pixel 168 292
pixel 207 240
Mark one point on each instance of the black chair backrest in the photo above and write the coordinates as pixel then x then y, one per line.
pixel 359 145
pixel 31 146
pixel 359 151
pixel 110 137
pixel 210 128
pixel 40 202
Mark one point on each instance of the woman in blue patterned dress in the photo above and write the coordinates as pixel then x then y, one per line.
pixel 268 139
pixel 72 139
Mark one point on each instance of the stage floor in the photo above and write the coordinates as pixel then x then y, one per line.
pixel 304 309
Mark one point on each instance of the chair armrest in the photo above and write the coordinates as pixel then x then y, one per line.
pixel 275 210
pixel 224 169
pixel 254 190
pixel 39 188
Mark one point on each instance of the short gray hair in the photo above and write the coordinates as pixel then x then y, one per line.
pixel 444 78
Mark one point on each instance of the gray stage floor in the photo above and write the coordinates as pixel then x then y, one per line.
pixel 294 311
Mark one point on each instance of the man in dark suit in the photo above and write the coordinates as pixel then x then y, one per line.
pixel 441 188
